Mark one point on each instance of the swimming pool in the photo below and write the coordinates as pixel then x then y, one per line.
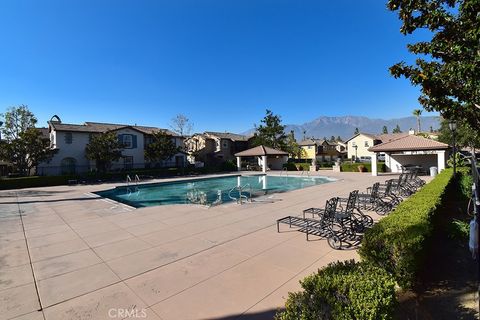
pixel 207 191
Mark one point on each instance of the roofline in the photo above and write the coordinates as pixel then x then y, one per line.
pixel 371 136
pixel 372 149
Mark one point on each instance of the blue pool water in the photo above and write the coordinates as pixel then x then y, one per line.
pixel 207 191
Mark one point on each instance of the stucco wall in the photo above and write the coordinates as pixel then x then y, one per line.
pixel 362 150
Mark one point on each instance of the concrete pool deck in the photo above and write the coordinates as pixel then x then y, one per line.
pixel 92 258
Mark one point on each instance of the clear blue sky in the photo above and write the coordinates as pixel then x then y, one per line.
pixel 219 62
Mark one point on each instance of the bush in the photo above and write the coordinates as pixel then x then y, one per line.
pixel 397 242
pixel 354 167
pixel 35 181
pixel 465 182
pixel 228 165
pixel 290 166
pixel 343 290
pixel 48 181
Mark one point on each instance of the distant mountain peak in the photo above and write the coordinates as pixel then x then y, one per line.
pixel 344 126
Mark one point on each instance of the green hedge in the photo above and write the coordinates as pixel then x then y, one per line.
pixel 35 181
pixel 398 241
pixel 343 290
pixel 465 182
pixel 48 181
pixel 353 167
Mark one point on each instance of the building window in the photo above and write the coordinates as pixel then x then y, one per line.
pixel 225 145
pixel 366 144
pixel 127 141
pixel 354 144
pixel 68 138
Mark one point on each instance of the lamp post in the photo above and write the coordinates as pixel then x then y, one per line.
pixel 453 127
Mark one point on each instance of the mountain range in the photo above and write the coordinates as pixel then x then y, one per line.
pixel 344 126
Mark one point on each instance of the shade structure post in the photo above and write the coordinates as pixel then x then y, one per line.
pixel 374 165
pixel 239 163
pixel 441 160
pixel 264 164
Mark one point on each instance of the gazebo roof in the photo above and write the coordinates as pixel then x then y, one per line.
pixel 261 151
pixel 409 143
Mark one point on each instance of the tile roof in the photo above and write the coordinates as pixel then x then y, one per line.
pixel 368 135
pixel 318 142
pixel 261 151
pixel 227 135
pixel 97 127
pixel 384 137
pixel 307 142
pixel 45 132
pixel 409 143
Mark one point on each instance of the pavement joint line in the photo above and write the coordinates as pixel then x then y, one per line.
pixel 146 271
pixel 201 250
pixel 224 270
pixel 284 283
pixel 30 259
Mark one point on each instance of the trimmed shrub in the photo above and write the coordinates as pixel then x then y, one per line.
pixel 465 182
pixel 343 290
pixel 228 165
pixel 397 243
pixel 354 167
pixel 290 166
pixel 35 181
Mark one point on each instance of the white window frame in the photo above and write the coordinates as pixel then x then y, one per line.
pixel 128 141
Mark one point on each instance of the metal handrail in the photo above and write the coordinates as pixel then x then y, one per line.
pixel 129 180
pixel 240 193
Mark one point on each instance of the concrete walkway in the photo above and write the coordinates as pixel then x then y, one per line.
pixel 73 255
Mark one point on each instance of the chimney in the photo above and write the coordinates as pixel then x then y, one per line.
pixel 411 132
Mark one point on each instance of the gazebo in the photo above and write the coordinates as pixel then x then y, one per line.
pixel 409 151
pixel 264 154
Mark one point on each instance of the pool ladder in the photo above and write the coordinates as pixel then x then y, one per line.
pixel 284 170
pixel 136 180
pixel 305 172
pixel 241 197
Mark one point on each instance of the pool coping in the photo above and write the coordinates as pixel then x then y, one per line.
pixel 193 179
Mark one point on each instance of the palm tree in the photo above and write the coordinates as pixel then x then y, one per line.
pixel 417 113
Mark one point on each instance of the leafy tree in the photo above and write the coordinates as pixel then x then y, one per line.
pixel 104 148
pixel 417 113
pixel 339 139
pixel 384 130
pixel 447 66
pixel 356 131
pixel 161 148
pixel 292 147
pixel 23 146
pixel 332 139
pixel 181 125
pixel 271 132
pixel 17 120
pixel 397 129
pixel 465 136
